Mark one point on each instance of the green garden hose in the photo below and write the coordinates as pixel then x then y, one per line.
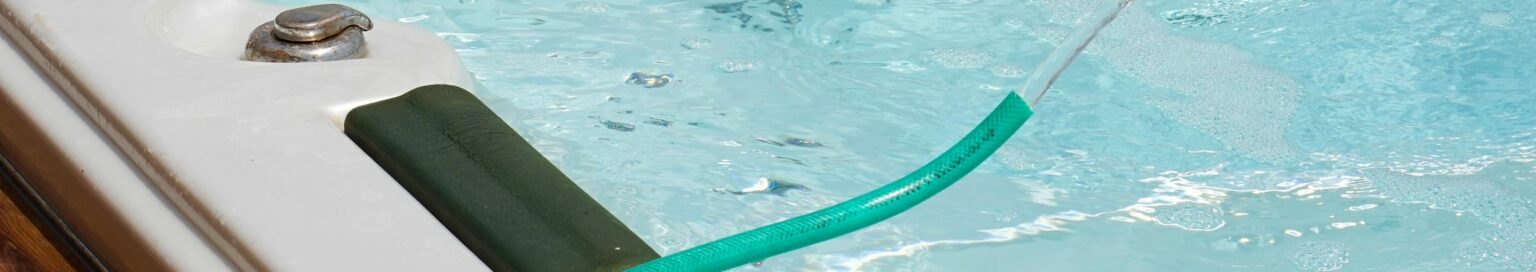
pixel 903 194
pixel 859 212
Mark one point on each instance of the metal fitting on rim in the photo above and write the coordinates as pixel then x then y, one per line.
pixel 310 34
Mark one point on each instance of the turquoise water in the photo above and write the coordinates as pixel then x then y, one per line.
pixel 1204 135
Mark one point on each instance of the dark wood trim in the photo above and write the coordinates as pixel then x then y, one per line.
pixel 75 211
pixel 25 240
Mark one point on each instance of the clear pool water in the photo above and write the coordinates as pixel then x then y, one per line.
pixel 1194 135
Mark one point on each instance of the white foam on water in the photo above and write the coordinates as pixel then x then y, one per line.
pixel 1319 256
pixel 960 58
pixel 1192 217
pixel 1007 70
pixel 1479 194
pixel 1507 249
pixel 1495 19
pixel 697 43
pixel 1507 246
pixel 737 65
pixel 1222 91
pixel 592 7
pixel 1177 202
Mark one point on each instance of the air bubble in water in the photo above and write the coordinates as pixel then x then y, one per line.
pixel 1485 197
pixel 960 57
pixel 697 43
pixel 1508 249
pixel 592 7
pixel 1479 194
pixel 736 65
pixel 1007 70
pixel 1495 19
pixel 1191 217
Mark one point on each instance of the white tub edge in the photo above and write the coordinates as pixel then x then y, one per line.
pixel 249 153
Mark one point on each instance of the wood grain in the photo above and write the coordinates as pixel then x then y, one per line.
pixel 23 247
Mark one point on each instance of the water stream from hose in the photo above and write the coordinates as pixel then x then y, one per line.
pixel 902 194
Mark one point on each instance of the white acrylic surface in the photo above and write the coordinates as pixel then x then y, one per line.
pixel 248 152
pixel 111 176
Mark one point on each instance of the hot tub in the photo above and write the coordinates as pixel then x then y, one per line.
pixel 165 151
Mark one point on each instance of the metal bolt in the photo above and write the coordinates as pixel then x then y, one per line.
pixel 310 34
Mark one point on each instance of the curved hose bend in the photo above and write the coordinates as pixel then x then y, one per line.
pixel 859 212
